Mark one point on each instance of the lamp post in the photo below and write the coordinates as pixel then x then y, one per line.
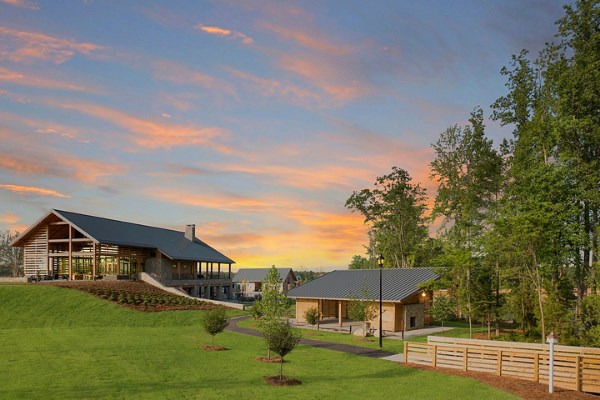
pixel 380 264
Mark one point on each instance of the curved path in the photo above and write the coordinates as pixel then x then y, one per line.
pixel 345 348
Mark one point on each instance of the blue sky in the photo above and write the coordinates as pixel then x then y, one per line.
pixel 253 120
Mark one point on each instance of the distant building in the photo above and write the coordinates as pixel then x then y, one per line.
pixel 247 282
pixel 405 306
pixel 78 246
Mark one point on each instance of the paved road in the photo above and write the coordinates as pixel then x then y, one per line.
pixel 345 348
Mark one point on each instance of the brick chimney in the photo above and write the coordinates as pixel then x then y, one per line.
pixel 190 232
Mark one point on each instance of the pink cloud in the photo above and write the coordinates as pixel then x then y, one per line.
pixel 274 88
pixel 22 46
pixel 22 79
pixel 218 31
pixel 22 4
pixel 151 134
pixel 180 74
pixel 32 190
pixel 307 38
pixel 18 157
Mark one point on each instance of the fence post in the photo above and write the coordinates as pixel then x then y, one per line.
pixel 405 352
pixel 551 340
pixel 499 364
pixel 434 356
pixel 578 373
pixel 465 359
pixel 536 367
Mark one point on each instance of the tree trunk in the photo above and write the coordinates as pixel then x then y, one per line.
pixel 281 369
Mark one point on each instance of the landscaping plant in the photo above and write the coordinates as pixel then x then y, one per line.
pixel 214 322
pixel 282 339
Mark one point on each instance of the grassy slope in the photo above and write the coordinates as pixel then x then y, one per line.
pixel 61 344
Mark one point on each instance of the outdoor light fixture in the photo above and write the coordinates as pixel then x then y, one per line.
pixel 380 264
pixel 423 293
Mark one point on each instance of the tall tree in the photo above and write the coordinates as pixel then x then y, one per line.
pixel 576 79
pixel 394 212
pixel 469 175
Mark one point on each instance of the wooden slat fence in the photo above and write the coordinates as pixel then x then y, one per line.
pixel 575 368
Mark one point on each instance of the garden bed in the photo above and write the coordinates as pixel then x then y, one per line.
pixel 137 295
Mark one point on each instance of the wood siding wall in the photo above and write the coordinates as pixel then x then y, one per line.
pixel 35 252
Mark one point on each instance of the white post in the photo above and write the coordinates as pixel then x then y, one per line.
pixel 551 340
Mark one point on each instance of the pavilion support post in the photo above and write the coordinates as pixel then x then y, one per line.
pixel 94 261
pixel 340 323
pixel 219 270
pixel 70 253
pixel 229 272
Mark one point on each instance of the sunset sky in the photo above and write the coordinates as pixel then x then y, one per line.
pixel 254 120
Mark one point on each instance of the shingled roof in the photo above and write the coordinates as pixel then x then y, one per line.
pixel 258 274
pixel 171 243
pixel 397 284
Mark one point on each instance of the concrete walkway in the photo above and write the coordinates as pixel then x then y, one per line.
pixel 345 348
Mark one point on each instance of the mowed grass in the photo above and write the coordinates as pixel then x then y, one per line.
pixel 58 343
pixel 459 330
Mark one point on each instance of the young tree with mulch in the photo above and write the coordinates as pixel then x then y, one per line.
pixel 214 322
pixel 282 340
pixel 272 306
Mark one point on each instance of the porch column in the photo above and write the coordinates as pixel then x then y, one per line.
pixel 340 312
pixel 70 253
pixel 94 261
pixel 219 270
pixel 229 277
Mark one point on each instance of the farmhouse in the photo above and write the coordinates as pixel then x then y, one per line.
pixel 78 246
pixel 247 282
pixel 404 304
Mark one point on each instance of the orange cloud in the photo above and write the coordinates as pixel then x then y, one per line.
pixel 174 72
pixel 21 79
pixel 218 31
pixel 32 190
pixel 331 76
pixel 25 46
pixel 305 232
pixel 9 218
pixel 11 221
pixel 308 177
pixel 223 201
pixel 154 134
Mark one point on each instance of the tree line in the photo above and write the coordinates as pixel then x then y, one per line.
pixel 519 220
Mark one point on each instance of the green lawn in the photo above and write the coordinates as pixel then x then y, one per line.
pixel 460 330
pixel 60 343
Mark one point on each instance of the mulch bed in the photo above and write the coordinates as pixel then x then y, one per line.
pixel 285 381
pixel 269 360
pixel 522 388
pixel 213 348
pixel 140 290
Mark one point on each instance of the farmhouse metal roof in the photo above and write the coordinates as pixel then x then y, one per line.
pixel 397 284
pixel 259 274
pixel 171 243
